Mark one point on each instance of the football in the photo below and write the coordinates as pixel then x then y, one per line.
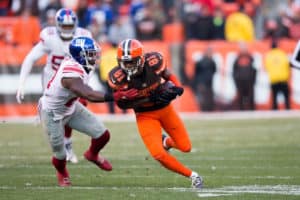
pixel 166 86
pixel 169 87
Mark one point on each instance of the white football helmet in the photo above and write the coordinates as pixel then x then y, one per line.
pixel 66 23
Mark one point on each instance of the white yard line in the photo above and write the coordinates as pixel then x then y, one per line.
pixel 253 189
pixel 293 190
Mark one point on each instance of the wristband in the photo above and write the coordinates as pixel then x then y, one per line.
pixel 108 97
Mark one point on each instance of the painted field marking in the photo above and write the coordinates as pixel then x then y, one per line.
pixel 293 190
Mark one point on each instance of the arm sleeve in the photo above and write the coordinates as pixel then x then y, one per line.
pixel 36 52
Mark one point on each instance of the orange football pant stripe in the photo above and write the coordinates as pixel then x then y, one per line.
pixel 150 126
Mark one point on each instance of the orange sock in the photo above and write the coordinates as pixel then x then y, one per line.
pixel 170 143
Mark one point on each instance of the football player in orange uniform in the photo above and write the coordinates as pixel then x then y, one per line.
pixel 157 87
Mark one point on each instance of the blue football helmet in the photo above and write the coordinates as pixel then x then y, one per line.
pixel 66 23
pixel 85 51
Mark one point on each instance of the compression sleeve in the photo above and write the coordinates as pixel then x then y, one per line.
pixel 36 53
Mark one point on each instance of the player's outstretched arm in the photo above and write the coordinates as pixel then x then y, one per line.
pixel 36 53
pixel 126 103
pixel 77 86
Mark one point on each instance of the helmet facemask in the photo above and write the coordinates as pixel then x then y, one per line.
pixel 91 57
pixel 131 66
pixel 66 31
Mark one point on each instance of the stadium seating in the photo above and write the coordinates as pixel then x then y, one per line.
pixel 13 56
pixel 169 30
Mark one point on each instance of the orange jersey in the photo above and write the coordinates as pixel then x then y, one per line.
pixel 145 83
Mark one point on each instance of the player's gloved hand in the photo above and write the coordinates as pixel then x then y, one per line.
pixel 163 96
pixel 125 94
pixel 20 94
pixel 178 90
pixel 168 95
pixel 156 97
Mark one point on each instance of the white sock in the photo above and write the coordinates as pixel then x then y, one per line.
pixel 165 143
pixel 67 140
pixel 194 174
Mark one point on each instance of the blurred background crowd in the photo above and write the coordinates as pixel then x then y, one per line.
pixel 230 54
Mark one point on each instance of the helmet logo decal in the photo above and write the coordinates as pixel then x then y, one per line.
pixel 80 42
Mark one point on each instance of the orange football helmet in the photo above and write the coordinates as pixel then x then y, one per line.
pixel 130 57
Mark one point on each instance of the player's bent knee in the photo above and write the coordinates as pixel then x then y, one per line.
pixel 58 149
pixel 160 155
pixel 96 130
pixel 60 155
pixel 57 143
pixel 186 148
pixel 59 152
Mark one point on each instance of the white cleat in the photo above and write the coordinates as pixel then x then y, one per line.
pixel 71 156
pixel 197 181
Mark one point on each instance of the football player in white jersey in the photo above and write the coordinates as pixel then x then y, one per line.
pixel 54 41
pixel 59 106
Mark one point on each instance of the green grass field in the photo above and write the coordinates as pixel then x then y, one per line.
pixel 238 159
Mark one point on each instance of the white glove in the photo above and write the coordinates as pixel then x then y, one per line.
pixel 20 94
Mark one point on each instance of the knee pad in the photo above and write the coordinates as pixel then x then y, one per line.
pixel 96 131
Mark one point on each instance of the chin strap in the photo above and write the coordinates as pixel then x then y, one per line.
pixel 128 77
pixel 66 38
pixel 88 68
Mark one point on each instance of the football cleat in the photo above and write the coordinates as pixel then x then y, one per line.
pixel 71 156
pixel 164 142
pixel 98 160
pixel 63 179
pixel 197 181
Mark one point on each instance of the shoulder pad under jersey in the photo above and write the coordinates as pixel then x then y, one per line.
pixel 48 33
pixel 82 32
pixel 116 78
pixel 70 68
pixel 155 61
